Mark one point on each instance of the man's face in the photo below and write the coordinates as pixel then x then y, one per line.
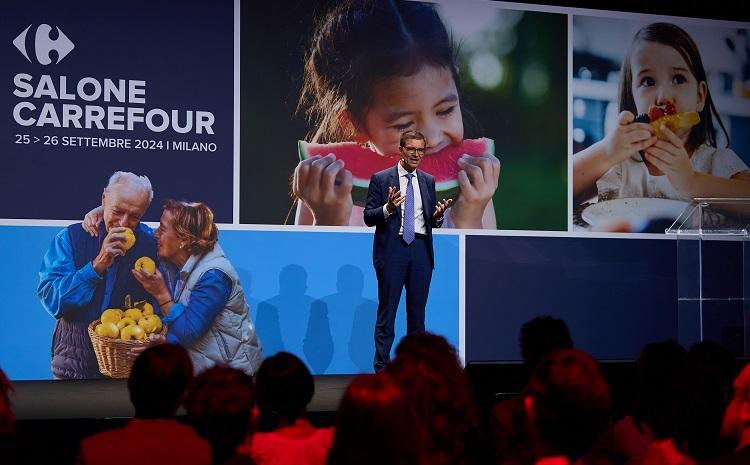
pixel 411 153
pixel 123 205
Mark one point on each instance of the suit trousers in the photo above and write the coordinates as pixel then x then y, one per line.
pixel 408 266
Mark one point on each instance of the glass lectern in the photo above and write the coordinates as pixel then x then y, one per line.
pixel 713 277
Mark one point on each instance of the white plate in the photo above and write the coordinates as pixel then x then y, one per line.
pixel 632 210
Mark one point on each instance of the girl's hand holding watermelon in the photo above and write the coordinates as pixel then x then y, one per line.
pixel 325 187
pixel 477 180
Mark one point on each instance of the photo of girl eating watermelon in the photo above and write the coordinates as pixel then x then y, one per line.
pixel 363 72
pixel 376 69
pixel 664 143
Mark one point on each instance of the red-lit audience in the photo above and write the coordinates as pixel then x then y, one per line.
pixel 377 425
pixel 421 411
pixel 157 386
pixel 710 374
pixel 539 337
pixel 736 423
pixel 219 405
pixel 8 447
pixel 566 406
pixel 285 436
pixel 429 373
pixel 661 380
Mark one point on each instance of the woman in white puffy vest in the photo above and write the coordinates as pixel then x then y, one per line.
pixel 199 293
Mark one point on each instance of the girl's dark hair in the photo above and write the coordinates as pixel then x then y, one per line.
pixel 675 37
pixel 360 43
pixel 376 425
pixel 284 388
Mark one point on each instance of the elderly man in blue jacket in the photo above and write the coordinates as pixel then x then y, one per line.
pixel 82 274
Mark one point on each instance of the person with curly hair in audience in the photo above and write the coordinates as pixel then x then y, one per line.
pixel 219 404
pixel 377 425
pixel 428 371
pixel 566 407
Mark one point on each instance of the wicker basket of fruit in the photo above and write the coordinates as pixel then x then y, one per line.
pixel 117 331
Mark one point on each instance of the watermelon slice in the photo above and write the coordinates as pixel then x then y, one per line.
pixel 363 162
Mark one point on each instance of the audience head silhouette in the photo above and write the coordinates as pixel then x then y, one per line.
pixel 541 336
pixel 219 403
pixel 736 423
pixel 428 371
pixel 284 387
pixel 710 372
pixel 661 390
pixel 566 403
pixel 376 425
pixel 158 380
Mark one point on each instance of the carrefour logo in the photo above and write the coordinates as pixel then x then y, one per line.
pixel 44 44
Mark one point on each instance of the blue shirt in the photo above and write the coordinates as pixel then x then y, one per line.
pixel 61 286
pixel 188 323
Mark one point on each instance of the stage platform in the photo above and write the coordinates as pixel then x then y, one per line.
pixel 102 399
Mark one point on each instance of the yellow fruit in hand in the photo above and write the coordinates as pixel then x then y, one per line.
pixel 148 309
pixel 111 315
pixel 125 322
pixel 134 313
pixel 150 323
pixel 145 264
pixel 133 332
pixel 129 238
pixel 108 329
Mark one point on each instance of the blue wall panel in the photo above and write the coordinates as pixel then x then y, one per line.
pixel 615 294
pixel 294 280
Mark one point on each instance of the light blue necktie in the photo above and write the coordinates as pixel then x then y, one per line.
pixel 409 211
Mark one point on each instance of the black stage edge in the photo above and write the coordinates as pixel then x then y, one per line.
pixel 107 399
pixel 53 416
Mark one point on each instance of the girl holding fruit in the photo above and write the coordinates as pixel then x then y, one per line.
pixel 662 75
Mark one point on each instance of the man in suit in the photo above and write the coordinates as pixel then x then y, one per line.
pixel 402 205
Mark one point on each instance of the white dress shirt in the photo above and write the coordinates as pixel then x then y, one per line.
pixel 419 225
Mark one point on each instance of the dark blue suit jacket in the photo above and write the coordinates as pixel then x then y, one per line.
pixel 386 230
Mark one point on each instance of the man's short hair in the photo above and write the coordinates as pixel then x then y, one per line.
pixel 141 183
pixel 542 335
pixel 571 402
pixel 412 135
pixel 158 380
pixel 284 388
